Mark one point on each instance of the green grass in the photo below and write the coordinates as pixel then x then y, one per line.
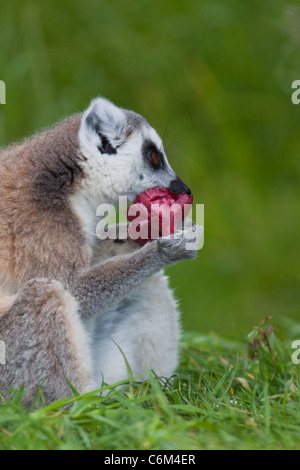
pixel 219 399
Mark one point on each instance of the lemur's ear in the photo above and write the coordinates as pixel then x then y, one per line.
pixel 103 125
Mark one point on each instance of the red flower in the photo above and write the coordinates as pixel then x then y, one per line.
pixel 156 212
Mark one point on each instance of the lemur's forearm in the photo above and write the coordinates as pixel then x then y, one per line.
pixel 100 287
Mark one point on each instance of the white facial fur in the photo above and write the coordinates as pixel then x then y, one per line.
pixel 125 172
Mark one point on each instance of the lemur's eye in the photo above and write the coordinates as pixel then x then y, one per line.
pixel 155 159
pixel 152 155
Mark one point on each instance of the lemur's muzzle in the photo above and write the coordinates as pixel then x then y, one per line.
pixel 177 186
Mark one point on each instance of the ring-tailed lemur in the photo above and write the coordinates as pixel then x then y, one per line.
pixel 67 299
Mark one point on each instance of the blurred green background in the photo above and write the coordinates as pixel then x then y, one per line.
pixel 215 77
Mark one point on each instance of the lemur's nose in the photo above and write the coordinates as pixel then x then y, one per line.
pixel 178 187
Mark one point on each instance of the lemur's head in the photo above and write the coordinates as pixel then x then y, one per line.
pixel 123 154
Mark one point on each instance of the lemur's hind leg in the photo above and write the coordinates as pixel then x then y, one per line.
pixel 45 343
pixel 145 326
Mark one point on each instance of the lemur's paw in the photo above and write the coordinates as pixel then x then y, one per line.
pixel 183 244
